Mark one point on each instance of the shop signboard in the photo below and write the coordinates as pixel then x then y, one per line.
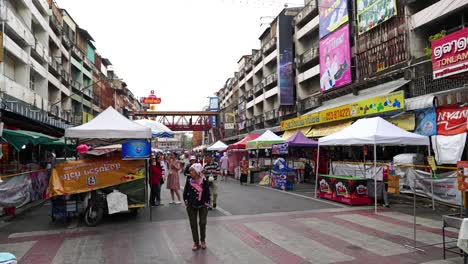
pixel 426 122
pixel 371 13
pixel 280 149
pixel 91 174
pixel 151 99
pixel 136 149
pixel 335 59
pixel 450 54
pixel 285 61
pixel 229 126
pixel 332 14
pixel 213 105
pixel 451 120
pixel 375 105
pixel 462 175
pixel 405 121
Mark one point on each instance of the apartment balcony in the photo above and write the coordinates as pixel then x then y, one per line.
pixel 257 57
pixel 258 88
pixel 248 66
pixel 249 94
pixel 55 67
pixel 259 119
pixel 75 84
pixel 55 25
pixel 269 46
pixel 306 13
pixel 308 104
pixel 77 52
pixel 307 57
pixel 270 80
pixel 18 26
pixel 39 50
pixel 250 123
pixel 87 63
pixel 76 119
pixel 65 78
pixel 67 43
pixel 271 115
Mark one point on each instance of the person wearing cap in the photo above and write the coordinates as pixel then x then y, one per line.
pixel 197 199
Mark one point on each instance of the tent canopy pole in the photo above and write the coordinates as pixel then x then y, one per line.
pixel 317 170
pixel 375 178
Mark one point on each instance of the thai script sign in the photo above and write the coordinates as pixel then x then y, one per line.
pixel 335 60
pixel 371 13
pixel 450 54
pixel 91 174
pixel 451 120
pixel 375 105
pixel 332 14
pixel 151 99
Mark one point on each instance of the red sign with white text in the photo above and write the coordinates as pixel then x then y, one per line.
pixel 450 54
pixel 451 120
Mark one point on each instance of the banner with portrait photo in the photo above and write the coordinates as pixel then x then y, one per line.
pixel 332 14
pixel 335 60
pixel 371 13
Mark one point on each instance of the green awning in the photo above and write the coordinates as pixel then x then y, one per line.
pixel 60 142
pixel 19 138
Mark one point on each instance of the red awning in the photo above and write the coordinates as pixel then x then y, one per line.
pixel 242 143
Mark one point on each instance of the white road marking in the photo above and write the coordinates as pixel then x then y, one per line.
pixel 48 232
pixel 371 243
pixel 17 249
pixel 82 250
pixel 297 244
pixel 394 229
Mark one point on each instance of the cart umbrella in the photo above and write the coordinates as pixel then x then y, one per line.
pixel 371 131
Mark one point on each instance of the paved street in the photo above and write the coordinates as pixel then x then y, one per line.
pixel 253 225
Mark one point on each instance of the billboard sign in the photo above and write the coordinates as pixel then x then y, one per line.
pixel 451 120
pixel 371 13
pixel 335 60
pixel 213 105
pixel 285 61
pixel 151 99
pixel 450 54
pixel 136 149
pixel 332 14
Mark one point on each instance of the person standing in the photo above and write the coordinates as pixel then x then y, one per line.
pixel 197 198
pixel 164 165
pixel 156 173
pixel 173 179
pixel 224 164
pixel 211 170
pixel 244 168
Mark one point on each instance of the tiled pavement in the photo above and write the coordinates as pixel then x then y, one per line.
pixel 343 235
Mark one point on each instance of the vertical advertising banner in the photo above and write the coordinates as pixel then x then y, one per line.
pixel 335 60
pixel 213 106
pixel 332 14
pixel 450 54
pixel 371 13
pixel 285 62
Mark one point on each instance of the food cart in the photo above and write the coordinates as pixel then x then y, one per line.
pixel 86 185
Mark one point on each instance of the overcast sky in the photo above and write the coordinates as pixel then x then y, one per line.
pixel 184 50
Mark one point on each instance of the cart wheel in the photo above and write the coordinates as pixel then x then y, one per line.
pixel 93 215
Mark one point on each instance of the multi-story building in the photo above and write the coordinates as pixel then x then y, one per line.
pixel 51 75
pixel 264 82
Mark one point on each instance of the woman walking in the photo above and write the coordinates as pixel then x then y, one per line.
pixel 156 172
pixel 173 179
pixel 197 198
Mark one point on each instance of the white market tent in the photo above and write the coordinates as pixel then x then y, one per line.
pixel 371 131
pixel 109 124
pixel 217 146
pixel 264 141
pixel 158 129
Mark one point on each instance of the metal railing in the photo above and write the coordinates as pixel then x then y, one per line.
pixel 310 7
pixel 308 56
pixel 269 45
pixel 55 23
pixel 77 52
pixel 269 80
pixel 308 103
pixel 269 115
pixel 65 77
pixel 258 87
pixel 259 119
pixel 257 56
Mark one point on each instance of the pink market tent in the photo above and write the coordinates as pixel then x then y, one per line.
pixel 236 151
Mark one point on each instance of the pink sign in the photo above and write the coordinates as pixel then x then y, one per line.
pixel 335 59
pixel 450 54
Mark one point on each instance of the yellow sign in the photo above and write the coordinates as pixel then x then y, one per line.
pixel 375 105
pixel 404 121
pixel 92 174
pixel 322 131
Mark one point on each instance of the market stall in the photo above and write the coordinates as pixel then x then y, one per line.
pixel 89 179
pixel 217 146
pixel 367 131
pixel 261 161
pixel 237 151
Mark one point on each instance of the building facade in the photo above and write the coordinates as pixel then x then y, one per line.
pixel 51 75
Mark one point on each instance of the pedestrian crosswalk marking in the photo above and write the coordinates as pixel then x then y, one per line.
pixel 409 219
pixel 371 243
pixel 223 243
pixel 82 250
pixel 394 229
pixel 17 249
pixel 297 244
